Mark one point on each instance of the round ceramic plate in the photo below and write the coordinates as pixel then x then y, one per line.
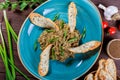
pixel 87 16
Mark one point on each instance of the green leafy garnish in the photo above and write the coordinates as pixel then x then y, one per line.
pixel 14 6
pixel 61 51
pixel 35 45
pixel 21 4
pixel 83 33
pixel 72 39
pixel 4 5
pixel 48 30
pixel 53 40
pixel 62 24
pixel 53 54
pixel 56 17
pixel 65 34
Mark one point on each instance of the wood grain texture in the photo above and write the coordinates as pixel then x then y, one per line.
pixel 17 18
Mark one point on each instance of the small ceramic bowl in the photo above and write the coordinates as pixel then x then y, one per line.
pixel 113 49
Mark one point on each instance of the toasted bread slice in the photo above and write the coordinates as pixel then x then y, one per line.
pixel 72 12
pixel 44 61
pixel 41 21
pixel 104 75
pixel 101 66
pixel 111 68
pixel 85 47
pixel 106 70
pixel 89 77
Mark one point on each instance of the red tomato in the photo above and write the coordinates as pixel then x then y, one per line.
pixel 112 30
pixel 104 24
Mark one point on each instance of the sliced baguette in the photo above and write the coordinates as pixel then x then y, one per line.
pixel 106 70
pixel 111 68
pixel 44 61
pixel 72 12
pixel 85 47
pixel 41 21
pixel 101 66
pixel 104 75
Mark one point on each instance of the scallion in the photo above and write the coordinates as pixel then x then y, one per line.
pixel 72 39
pixel 56 17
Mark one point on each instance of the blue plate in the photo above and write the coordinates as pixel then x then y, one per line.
pixel 87 16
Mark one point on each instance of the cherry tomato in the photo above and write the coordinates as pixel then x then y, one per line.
pixel 104 24
pixel 112 30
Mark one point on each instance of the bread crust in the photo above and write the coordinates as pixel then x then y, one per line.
pixel 72 12
pixel 104 70
pixel 101 66
pixel 85 47
pixel 110 63
pixel 44 61
pixel 41 21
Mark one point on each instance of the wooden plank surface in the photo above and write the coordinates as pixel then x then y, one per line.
pixel 16 19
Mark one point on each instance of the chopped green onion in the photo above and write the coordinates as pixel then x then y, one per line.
pixel 36 45
pixel 62 24
pixel 53 40
pixel 61 51
pixel 56 17
pixel 65 34
pixel 48 30
pixel 72 39
pixel 53 54
pixel 83 33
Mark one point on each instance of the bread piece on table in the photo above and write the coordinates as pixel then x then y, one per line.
pixel 104 75
pixel 110 67
pixel 85 47
pixel 106 70
pixel 89 77
pixel 44 61
pixel 72 12
pixel 101 66
pixel 41 21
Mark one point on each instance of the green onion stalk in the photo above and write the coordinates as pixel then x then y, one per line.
pixel 9 43
pixel 9 60
pixel 4 58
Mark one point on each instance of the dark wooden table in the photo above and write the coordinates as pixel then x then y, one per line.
pixel 16 19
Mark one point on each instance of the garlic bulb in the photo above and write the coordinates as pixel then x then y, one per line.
pixel 109 11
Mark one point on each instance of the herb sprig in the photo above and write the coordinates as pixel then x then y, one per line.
pixel 20 4
pixel 53 40
pixel 83 35
pixel 56 17
pixel 72 39
pixel 53 54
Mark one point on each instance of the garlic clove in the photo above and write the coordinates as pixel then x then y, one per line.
pixel 108 11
